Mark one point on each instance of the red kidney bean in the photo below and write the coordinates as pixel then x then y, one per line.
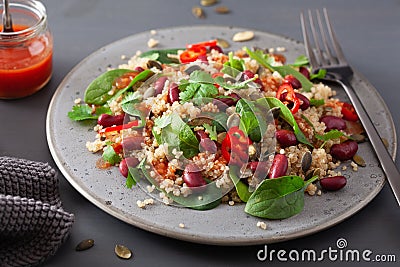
pixel 345 150
pixel 304 101
pixel 126 163
pixel 279 166
pixel 159 85
pixel 106 120
pixel 192 176
pixel 206 144
pixel 217 48
pixel 286 138
pixel 296 84
pixel 173 93
pixel 305 72
pixel 333 122
pixel 132 142
pixel 200 134
pixel 333 183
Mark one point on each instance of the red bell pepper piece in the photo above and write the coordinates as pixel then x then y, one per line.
pixel 348 112
pixel 235 146
pixel 119 127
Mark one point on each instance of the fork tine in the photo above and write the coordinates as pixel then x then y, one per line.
pixel 309 49
pixel 316 40
pixel 324 38
pixel 335 43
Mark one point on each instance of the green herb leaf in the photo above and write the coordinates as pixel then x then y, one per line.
pixel 199 85
pixel 110 156
pixel 264 60
pixel 162 56
pixel 277 198
pixel 332 134
pixel 212 131
pixel 97 91
pixel 233 66
pixel 233 86
pixel 320 75
pixel 287 116
pixel 300 61
pixel 84 112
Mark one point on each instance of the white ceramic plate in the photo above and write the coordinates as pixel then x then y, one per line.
pixel 225 225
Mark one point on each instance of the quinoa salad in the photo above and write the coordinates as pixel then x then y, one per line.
pixel 198 126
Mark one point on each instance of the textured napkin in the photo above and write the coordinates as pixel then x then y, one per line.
pixel 33 224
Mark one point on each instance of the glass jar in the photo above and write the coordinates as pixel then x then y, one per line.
pixel 26 53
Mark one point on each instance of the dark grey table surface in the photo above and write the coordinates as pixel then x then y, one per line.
pixel 370 35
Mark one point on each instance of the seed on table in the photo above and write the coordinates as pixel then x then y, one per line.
pixel 84 245
pixel 243 36
pixel 222 10
pixel 359 160
pixel 122 252
pixel 223 43
pixel 198 12
pixel 208 2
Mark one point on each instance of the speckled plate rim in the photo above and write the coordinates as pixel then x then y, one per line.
pixel 178 233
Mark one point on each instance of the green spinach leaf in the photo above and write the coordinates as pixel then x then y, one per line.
pixel 241 188
pixel 278 198
pixel 177 134
pixel 251 119
pixel 97 91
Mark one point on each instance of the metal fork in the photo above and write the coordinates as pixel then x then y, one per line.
pixel 339 71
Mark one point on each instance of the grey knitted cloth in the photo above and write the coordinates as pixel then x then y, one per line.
pixel 33 224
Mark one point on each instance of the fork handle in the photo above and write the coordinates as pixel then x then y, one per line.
pixel 386 161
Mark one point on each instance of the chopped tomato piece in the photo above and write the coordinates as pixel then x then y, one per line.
pixel 348 112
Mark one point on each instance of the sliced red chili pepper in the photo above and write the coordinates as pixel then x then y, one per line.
pixel 192 54
pixel 348 112
pixel 234 147
pixel 119 127
pixel 202 44
pixel 290 97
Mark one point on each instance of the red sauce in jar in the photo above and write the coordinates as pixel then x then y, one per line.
pixel 25 68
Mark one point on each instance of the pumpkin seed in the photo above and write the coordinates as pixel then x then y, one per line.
pixel 122 252
pixel 313 172
pixel 198 12
pixel 222 10
pixel 359 160
pixel 233 120
pixel 200 121
pixel 223 43
pixel 243 36
pixel 208 2
pixel 153 64
pixel 84 245
pixel 306 161
pixel 359 138
pixel 149 92
pixel 221 137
